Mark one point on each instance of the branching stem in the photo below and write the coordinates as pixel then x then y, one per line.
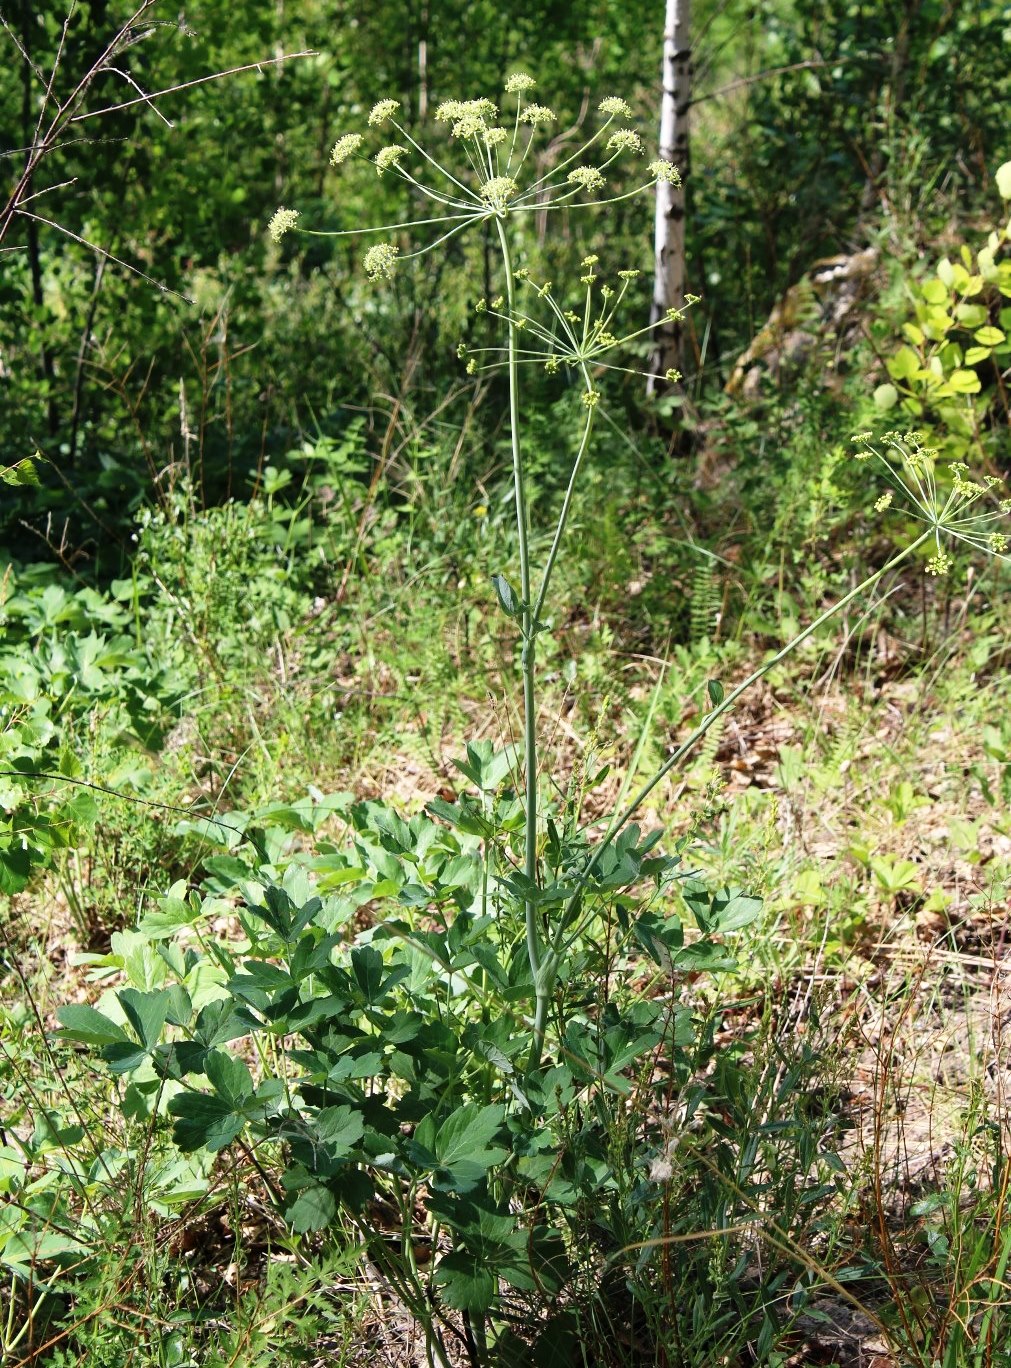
pixel 528 661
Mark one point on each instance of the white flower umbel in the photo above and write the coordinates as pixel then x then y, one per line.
pixel 282 221
pixel 345 147
pixel 380 261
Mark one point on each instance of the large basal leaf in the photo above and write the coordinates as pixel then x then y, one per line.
pixel 88 1026
pixel 146 1013
pixel 467 1284
pixel 218 1023
pixel 229 1077
pixel 339 1128
pixel 367 966
pixel 203 1122
pixel 124 1056
pixel 463 1148
pixel 313 1209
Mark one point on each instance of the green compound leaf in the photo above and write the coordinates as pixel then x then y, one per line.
pixel 146 1013
pixel 124 1056
pixel 313 1209
pixel 218 1023
pixel 460 1151
pixel 229 1077
pixel 203 1122
pixel 467 1283
pixel 88 1026
pixel 368 967
pixel 339 1128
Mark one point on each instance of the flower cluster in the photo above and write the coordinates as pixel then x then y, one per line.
pixel 953 506
pixel 282 221
pixel 496 175
pixel 468 117
pixel 664 172
pixel 625 140
pixel 381 260
pixel 499 191
pixel 381 111
pixel 345 147
pixel 537 114
pixel 586 178
pixel 388 157
pixel 577 339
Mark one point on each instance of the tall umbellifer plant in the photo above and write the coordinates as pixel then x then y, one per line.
pixel 455 1058
pixel 487 175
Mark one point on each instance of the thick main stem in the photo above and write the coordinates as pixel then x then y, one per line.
pixel 527 664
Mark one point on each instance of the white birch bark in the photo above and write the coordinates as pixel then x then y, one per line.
pixel 669 233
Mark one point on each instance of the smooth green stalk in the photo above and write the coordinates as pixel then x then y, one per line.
pixel 527 662
pixel 629 812
pixel 563 516
pixel 546 971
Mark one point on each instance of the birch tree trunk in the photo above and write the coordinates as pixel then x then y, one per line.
pixel 669 235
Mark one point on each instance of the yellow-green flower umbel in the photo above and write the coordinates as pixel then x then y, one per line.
pixel 953 507
pixel 380 261
pixel 283 221
pixel 345 147
pixel 487 170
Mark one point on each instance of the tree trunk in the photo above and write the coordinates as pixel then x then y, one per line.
pixel 669 238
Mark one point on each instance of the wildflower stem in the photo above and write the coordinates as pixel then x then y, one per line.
pixel 528 660
pixel 627 813
pixel 561 201
pixel 436 165
pixel 386 227
pixel 563 515
pixel 579 152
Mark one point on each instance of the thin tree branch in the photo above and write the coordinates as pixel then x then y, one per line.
pixel 187 85
pixel 772 71
pixel 94 247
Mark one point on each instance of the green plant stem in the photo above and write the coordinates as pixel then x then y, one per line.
pixel 563 516
pixel 546 970
pixel 527 665
pixel 728 702
pixel 997 1286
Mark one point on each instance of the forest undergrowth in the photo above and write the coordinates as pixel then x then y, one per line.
pixel 860 793
pixel 501 866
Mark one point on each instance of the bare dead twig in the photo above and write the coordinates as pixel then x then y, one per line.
pixel 188 85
